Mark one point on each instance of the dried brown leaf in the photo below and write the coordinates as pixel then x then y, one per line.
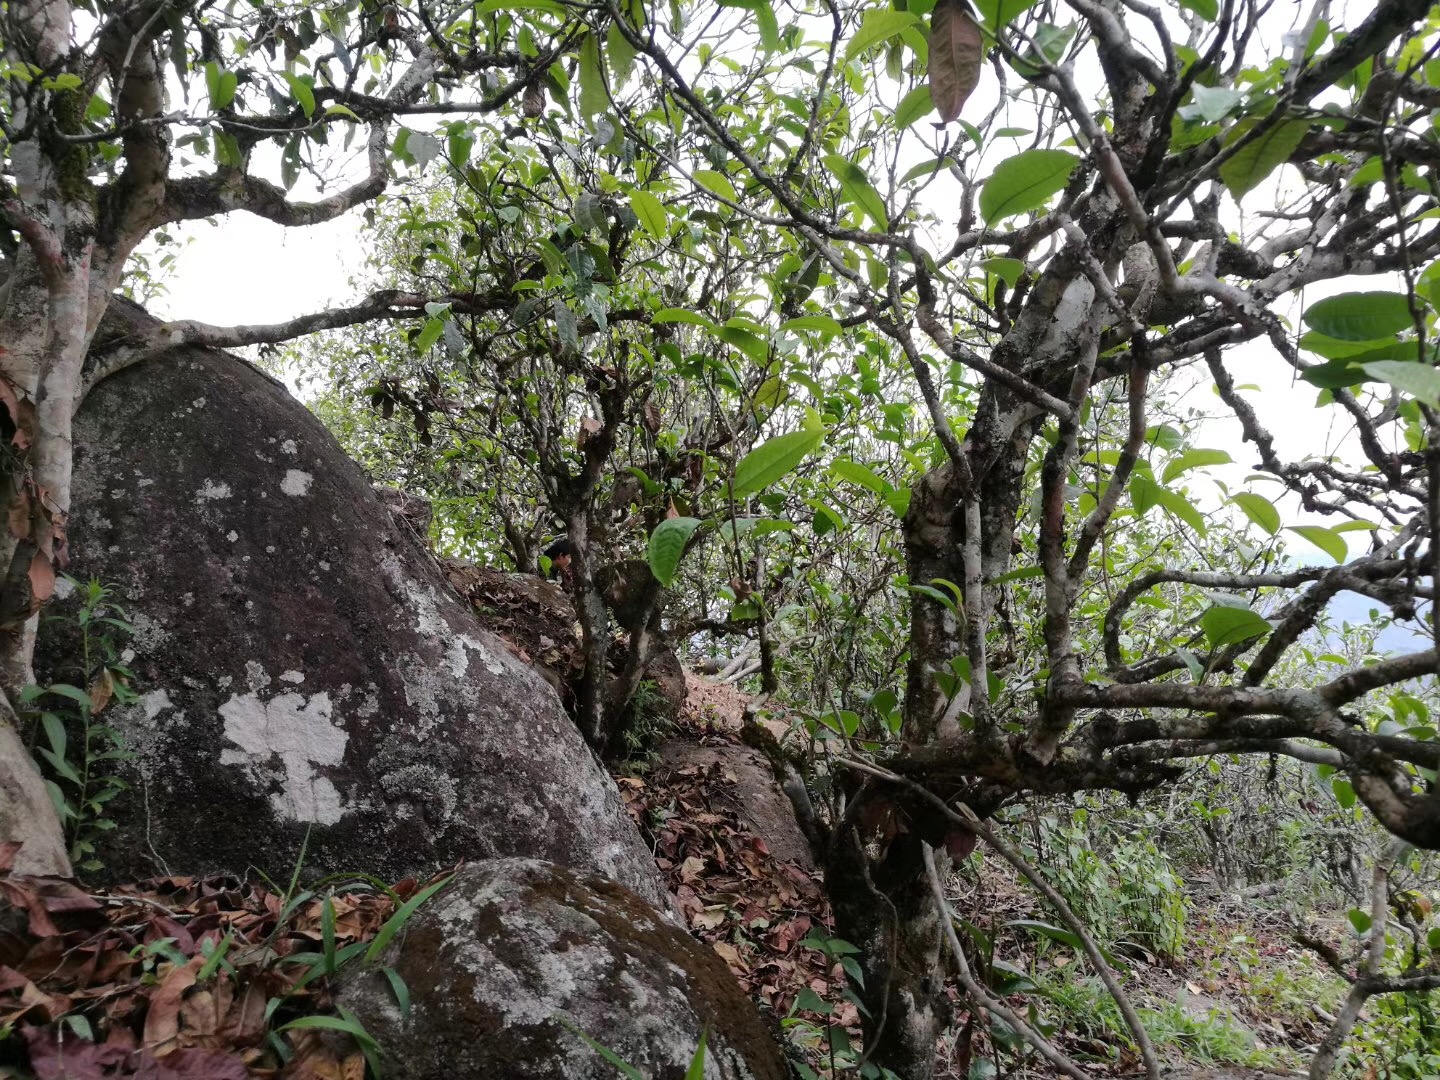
pixel 956 51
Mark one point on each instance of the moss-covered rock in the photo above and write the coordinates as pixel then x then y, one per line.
pixel 516 955
pixel 303 665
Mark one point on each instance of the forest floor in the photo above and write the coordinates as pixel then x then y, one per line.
pixel 1241 993
pixel 104 973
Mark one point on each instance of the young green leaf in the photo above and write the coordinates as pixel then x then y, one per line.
pixel 1025 182
pixel 429 335
pixel 1325 539
pixel 857 188
pixel 696 1069
pixel 402 915
pixel 1258 158
pixel 1260 510
pixel 302 90
pixel 773 458
pixel 914 105
pixel 593 97
pixel 1225 625
pixel 717 183
pixel 956 51
pixel 876 26
pixel 667 545
pixel 651 212
pixel 821 323
pixel 621 55
pixel 680 315
pixel 860 475
pixel 1006 269
pixel 1192 459
pixel 999 14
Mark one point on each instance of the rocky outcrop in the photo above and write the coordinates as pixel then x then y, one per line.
pixel 507 967
pixel 304 668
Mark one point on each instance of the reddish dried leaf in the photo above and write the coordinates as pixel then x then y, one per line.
pixel 42 580
pixel 956 50
pixel 162 1023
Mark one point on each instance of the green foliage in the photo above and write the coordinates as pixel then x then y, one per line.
pixel 1083 1005
pixel 1129 894
pixel 79 750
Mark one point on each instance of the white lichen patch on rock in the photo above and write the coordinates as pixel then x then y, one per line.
pixel 211 490
pixel 299 732
pixel 296 482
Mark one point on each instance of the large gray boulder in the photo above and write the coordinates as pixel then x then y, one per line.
pixel 507 965
pixel 302 663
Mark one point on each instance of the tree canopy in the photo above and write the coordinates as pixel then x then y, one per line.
pixel 869 326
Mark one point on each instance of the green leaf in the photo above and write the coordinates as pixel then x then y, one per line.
pixel 399 988
pixel 429 335
pixel 822 323
pixel 696 1069
pixel 956 50
pixel 1225 625
pixel 1006 269
pixel 1054 933
pixel 667 544
pixel 54 733
pixel 227 150
pixel 651 212
pixel 1360 920
pixel 860 475
pixel 717 183
pixel 810 1001
pixel 1418 380
pixel 913 106
pixel 857 188
pixel 341 110
pixel 397 921
pixel 878 25
pixel 1257 159
pixel 626 1069
pixel 1050 44
pixel 302 90
pixel 1209 10
pixel 756 348
pixel 1325 539
pixel 1360 316
pixel 680 315
pixel 1260 510
pixel 593 97
pixel 999 14
pixel 1334 374
pixel 589 213
pixel 1193 459
pixel 1211 103
pixel 773 458
pixel 1182 508
pixel 1354 526
pixel 220 85
pixel 621 55
pixel 1025 182
pixel 1344 792
pixel 74 693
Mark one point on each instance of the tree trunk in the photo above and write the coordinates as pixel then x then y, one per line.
pixel 886 909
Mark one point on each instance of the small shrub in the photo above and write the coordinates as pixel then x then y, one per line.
pixel 78 750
